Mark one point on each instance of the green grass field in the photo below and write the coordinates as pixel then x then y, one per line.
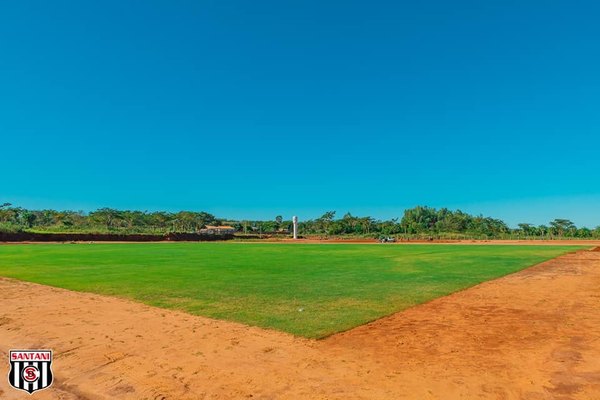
pixel 307 290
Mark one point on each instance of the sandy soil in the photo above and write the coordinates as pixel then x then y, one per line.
pixel 531 335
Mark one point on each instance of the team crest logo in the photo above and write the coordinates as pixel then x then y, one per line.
pixel 30 369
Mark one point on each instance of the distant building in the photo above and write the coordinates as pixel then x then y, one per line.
pixel 218 230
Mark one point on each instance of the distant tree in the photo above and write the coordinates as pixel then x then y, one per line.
pixel 268 226
pixel 348 223
pixel 525 228
pixel 583 233
pixel 366 224
pixel 390 227
pixel 27 218
pixel 560 226
pixel 325 221
pixel 419 220
pixel 106 216
pixel 160 219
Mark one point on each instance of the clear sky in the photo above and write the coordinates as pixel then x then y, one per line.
pixel 250 109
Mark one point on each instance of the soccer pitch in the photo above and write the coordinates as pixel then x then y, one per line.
pixel 308 290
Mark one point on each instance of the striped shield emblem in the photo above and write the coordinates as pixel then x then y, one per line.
pixel 30 370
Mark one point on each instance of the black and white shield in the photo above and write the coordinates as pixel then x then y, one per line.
pixel 30 370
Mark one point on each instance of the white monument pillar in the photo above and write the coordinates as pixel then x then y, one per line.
pixel 295 222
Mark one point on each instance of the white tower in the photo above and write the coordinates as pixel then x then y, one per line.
pixel 295 222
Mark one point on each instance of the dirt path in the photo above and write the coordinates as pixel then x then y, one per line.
pixel 531 335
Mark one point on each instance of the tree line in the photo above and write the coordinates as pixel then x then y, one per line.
pixel 103 220
pixel 417 222
pixel 427 222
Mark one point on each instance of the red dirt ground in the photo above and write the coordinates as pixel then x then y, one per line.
pixel 531 335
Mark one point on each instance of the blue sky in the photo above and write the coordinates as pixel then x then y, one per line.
pixel 254 109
